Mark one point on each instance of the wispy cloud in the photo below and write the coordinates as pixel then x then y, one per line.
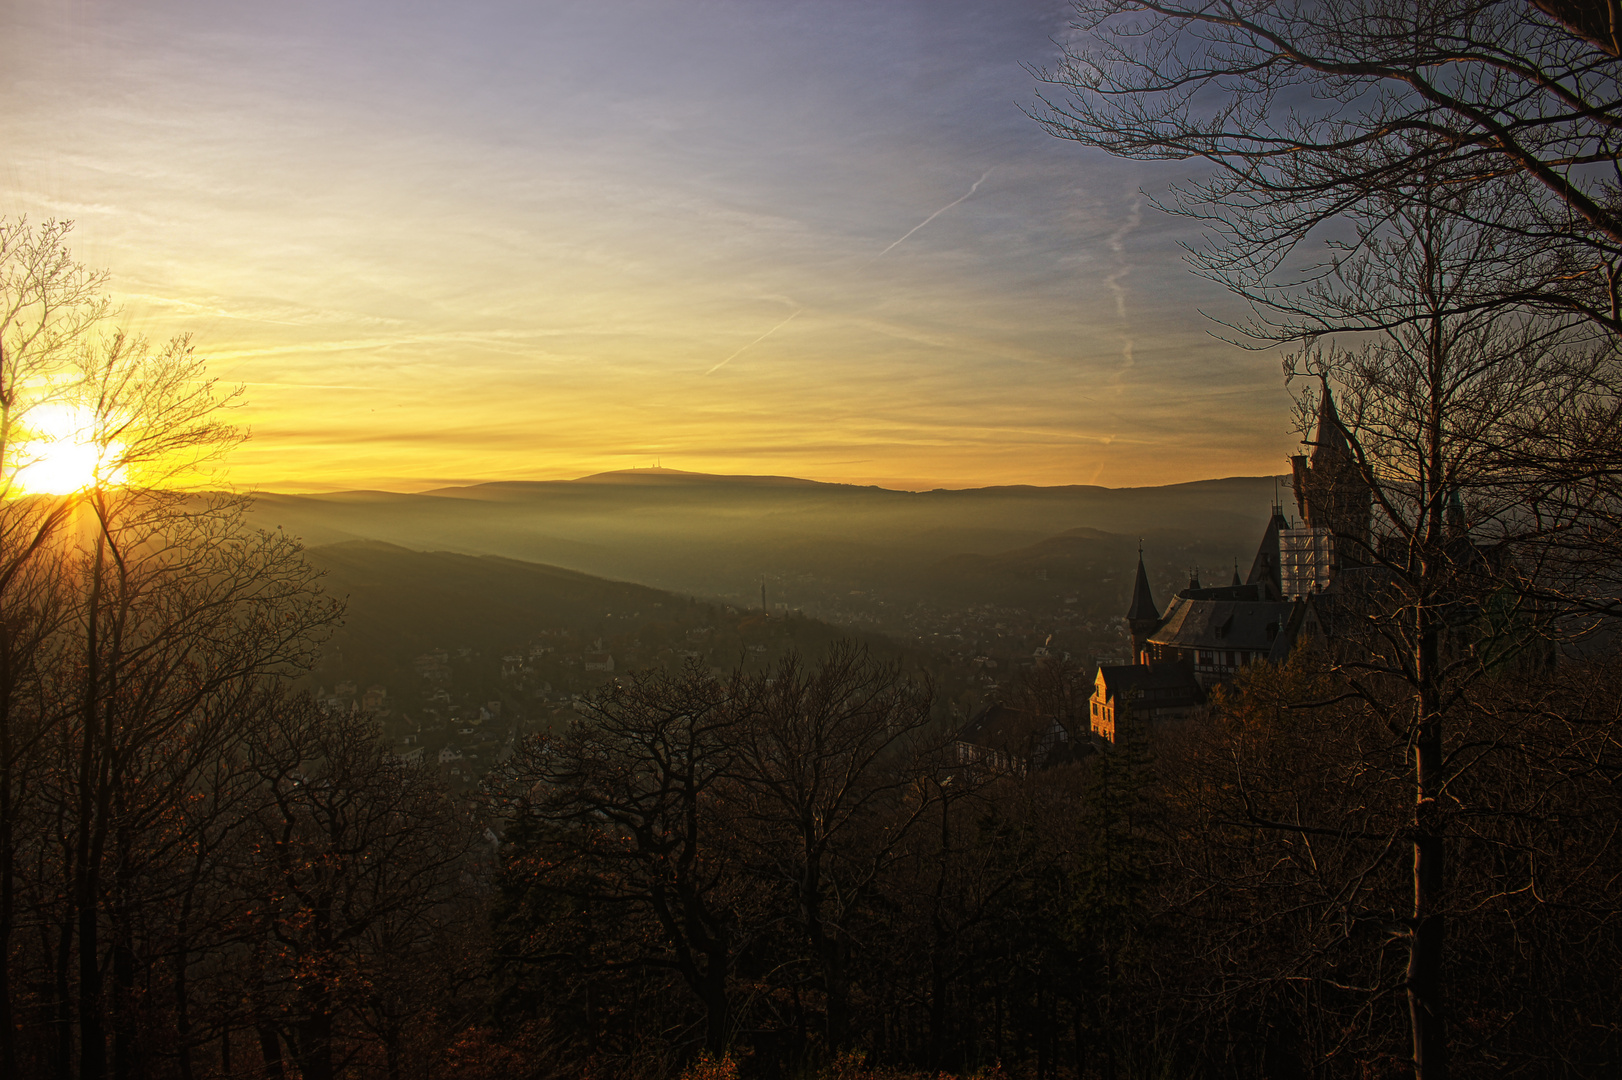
pixel 1118 379
pixel 972 189
pixel 1117 246
pixel 519 231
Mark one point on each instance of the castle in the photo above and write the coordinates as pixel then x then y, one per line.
pixel 1207 634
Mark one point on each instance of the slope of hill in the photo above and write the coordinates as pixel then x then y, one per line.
pixel 403 604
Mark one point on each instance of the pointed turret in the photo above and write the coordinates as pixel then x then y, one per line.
pixel 1143 617
pixel 1456 527
pixel 1329 486
pixel 1331 433
pixel 1143 605
pixel 1265 569
pixel 1236 579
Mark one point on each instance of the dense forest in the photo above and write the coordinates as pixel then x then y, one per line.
pixel 792 872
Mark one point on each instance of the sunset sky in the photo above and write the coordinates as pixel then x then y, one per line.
pixel 448 242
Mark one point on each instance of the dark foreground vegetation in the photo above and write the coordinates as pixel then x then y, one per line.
pixel 793 874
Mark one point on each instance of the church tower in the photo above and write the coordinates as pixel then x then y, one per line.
pixel 1330 490
pixel 1143 617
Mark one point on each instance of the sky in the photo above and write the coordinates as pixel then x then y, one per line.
pixel 443 243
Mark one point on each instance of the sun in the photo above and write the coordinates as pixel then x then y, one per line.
pixel 64 457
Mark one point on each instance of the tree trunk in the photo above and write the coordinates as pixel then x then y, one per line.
pixel 717 1009
pixel 937 955
pixel 183 1032
pixel 125 1048
pixel 125 1028
pixel 8 1026
pixel 1424 982
pixel 835 983
pixel 64 999
pixel 313 1035
pixel 391 1050
pixel 270 1049
pixel 1425 951
pixel 87 882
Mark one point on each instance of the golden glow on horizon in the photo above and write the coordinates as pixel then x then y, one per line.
pixel 65 457
pixel 468 249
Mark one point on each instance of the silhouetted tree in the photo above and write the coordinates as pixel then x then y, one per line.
pixel 359 862
pixel 1304 111
pixel 826 755
pixel 626 817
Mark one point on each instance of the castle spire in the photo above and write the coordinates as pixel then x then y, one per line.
pixel 1143 617
pixel 1143 605
pixel 1330 488
pixel 1331 433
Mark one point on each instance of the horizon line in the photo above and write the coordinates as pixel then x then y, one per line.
pixel 432 486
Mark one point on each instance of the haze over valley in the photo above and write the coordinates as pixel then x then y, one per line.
pixel 836 551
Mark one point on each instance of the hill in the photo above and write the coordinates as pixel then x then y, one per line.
pixel 475 629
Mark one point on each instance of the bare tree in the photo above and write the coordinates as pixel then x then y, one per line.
pixel 1460 161
pixel 50 306
pixel 628 811
pixel 1440 414
pixel 358 860
pixel 136 622
pixel 827 755
pixel 1304 111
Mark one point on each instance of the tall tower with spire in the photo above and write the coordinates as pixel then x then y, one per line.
pixel 1143 617
pixel 1330 490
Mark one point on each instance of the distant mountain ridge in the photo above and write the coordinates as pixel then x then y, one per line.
pixel 642 476
pixel 720 536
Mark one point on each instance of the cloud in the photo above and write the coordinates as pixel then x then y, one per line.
pixel 526 228
pixel 1117 245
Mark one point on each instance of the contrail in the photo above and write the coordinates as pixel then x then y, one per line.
pixel 972 189
pixel 1117 244
pixel 1126 364
pixel 755 342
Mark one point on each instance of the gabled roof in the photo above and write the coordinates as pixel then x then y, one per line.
pixel 1195 620
pixel 1254 591
pixel 1159 685
pixel 1022 733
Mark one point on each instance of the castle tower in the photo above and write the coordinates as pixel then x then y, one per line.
pixel 1265 568
pixel 1143 617
pixel 1330 490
